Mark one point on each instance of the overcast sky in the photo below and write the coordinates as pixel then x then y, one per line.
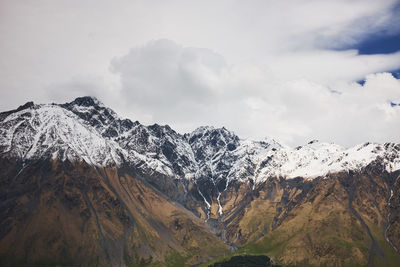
pixel 293 70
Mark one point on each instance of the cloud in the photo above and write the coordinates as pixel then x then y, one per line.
pixel 186 87
pixel 327 66
pixel 163 75
pixel 265 67
pixel 83 85
pixel 282 26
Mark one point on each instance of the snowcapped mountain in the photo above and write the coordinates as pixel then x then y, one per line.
pixel 83 184
pixel 85 129
pixel 43 131
pixel 317 159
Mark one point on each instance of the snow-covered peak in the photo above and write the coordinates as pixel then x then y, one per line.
pixel 87 101
pixel 206 130
pixel 203 129
pixel 90 105
pixel 318 159
pixel 272 142
pixel 318 149
pixel 95 113
pixel 44 131
pixel 210 139
pixel 213 149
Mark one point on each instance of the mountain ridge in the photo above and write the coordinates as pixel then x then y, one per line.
pixel 207 150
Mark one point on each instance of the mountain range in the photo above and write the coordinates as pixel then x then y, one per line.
pixel 81 186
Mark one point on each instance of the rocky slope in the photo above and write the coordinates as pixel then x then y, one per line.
pixel 78 180
pixel 59 212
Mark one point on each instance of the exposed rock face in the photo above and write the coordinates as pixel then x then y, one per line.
pixel 336 220
pixel 87 187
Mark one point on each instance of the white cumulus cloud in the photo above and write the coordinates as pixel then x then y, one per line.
pixel 164 82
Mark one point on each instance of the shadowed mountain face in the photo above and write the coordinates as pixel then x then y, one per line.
pixel 81 186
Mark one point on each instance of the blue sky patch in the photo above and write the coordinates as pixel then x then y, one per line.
pixel 395 104
pixel 377 44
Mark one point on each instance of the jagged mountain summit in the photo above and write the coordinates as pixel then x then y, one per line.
pixel 80 185
pixel 85 129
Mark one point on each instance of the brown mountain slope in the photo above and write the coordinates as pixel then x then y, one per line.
pixel 66 213
pixel 71 213
pixel 339 220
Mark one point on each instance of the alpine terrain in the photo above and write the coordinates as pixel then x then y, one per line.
pixel 81 186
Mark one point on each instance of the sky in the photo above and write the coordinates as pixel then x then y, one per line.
pixel 292 70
